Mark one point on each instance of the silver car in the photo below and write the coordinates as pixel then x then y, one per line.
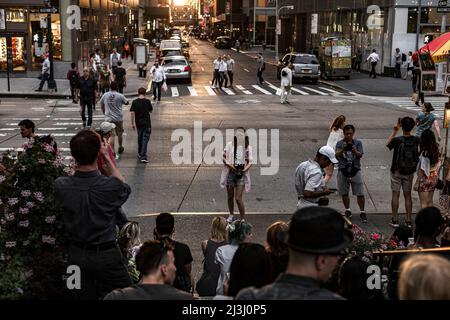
pixel 177 67
pixel 306 66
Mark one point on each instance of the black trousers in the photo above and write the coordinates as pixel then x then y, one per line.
pixel 121 85
pixel 72 91
pixel 101 272
pixel 230 75
pixel 260 77
pixel 86 102
pixel 157 90
pixel 215 80
pixel 397 70
pixel 372 71
pixel 45 77
pixel 358 66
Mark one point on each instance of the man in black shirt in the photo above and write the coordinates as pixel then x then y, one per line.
pixel 140 118
pixel 404 163
pixel 120 76
pixel 88 89
pixel 155 262
pixel 91 204
pixel 165 227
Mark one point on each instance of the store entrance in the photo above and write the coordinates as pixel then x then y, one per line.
pixel 19 52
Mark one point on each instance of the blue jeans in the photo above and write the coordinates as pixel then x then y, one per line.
pixel 143 139
pixel 157 90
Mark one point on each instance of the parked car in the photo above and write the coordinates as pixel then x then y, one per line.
pixel 174 52
pixel 223 43
pixel 203 36
pixel 177 67
pixel 306 66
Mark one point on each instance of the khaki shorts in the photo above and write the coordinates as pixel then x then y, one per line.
pixel 356 182
pixel 401 181
pixel 118 131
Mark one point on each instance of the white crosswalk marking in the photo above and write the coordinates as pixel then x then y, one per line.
pixel 261 89
pixel 406 103
pixel 316 91
pixel 277 90
pixel 228 91
pixel 51 129
pixel 174 91
pixel 300 91
pixel 330 90
pixel 243 89
pixel 192 91
pixel 210 91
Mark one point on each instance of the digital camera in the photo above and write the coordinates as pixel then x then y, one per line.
pixel 239 170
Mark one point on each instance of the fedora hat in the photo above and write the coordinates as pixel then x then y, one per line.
pixel 319 230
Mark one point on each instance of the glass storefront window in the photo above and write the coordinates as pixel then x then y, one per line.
pixel 39 44
pixel 19 54
pixel 430 20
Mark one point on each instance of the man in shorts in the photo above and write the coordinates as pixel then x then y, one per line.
pixel 111 103
pixel 404 163
pixel 349 152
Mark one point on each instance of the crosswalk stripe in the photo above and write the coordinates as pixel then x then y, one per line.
pixel 228 91
pixel 277 90
pixel 330 90
pixel 210 91
pixel 243 89
pixel 261 89
pixel 174 91
pixel 316 91
pixel 300 91
pixel 192 91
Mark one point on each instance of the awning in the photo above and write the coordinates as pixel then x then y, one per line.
pixel 439 48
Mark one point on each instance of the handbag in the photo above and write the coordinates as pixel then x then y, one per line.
pixel 164 87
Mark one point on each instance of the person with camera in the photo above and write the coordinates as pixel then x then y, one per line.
pixel 349 152
pixel 286 83
pixel 237 159
pixel 309 179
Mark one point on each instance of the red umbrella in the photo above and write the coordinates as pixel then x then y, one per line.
pixel 439 48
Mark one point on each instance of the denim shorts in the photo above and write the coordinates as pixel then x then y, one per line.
pixel 234 181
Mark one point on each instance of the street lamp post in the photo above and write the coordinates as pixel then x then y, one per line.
pixel 276 31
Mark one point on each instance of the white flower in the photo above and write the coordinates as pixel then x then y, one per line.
pixel 24 224
pixel 10 244
pixel 48 239
pixel 2 178
pixel 13 201
pixel 26 193
pixel 24 210
pixel 50 219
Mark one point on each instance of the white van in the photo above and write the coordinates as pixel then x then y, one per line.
pixel 170 44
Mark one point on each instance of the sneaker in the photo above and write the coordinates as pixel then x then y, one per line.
pixel 144 161
pixel 394 224
pixel 230 218
pixel 348 214
pixel 213 87
pixel 121 150
pixel 363 217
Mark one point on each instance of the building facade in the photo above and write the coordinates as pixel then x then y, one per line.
pixel 383 25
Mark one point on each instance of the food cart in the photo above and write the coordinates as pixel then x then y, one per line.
pixel 336 58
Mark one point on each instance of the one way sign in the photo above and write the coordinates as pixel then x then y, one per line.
pixel 48 10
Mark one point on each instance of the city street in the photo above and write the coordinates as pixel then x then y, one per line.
pixel 192 191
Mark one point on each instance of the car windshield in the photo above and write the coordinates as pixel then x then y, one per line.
pixel 170 62
pixel 172 53
pixel 306 60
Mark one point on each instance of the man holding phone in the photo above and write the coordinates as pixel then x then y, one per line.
pixel 349 152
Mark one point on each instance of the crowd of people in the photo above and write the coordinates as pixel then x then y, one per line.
pixel 223 71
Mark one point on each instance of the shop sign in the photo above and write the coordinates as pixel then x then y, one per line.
pixel 2 19
pixel 314 18
pixel 48 10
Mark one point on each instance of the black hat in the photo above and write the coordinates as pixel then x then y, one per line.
pixel 319 230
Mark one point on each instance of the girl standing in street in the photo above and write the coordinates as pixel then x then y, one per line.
pixel 336 134
pixel 426 119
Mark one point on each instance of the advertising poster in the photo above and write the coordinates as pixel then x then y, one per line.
pixel 428 83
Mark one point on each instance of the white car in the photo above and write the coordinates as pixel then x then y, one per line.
pixel 177 67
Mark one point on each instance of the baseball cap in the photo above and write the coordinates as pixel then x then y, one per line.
pixel 328 152
pixel 107 126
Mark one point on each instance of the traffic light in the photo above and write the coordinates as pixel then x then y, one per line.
pixel 428 38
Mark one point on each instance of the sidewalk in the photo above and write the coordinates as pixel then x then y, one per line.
pixel 24 87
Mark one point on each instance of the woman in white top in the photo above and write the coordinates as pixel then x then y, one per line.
pixel 336 134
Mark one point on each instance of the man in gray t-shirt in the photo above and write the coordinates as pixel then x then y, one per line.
pixel 111 103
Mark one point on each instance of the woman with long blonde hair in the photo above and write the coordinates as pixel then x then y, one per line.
pixel 336 134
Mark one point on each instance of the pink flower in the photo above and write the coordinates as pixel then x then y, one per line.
pixel 24 224
pixel 47 147
pixel 24 210
pixel 26 193
pixel 10 244
pixel 39 196
pixel 375 236
pixel 30 205
pixel 48 239
pixel 13 201
pixel 9 216
pixel 2 178
pixel 50 219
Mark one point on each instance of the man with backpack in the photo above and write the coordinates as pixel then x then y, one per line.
pixel 120 76
pixel 404 164
pixel 349 152
pixel 73 76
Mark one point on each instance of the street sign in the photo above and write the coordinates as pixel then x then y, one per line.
pixel 278 27
pixel 2 19
pixel 48 10
pixel 314 18
pixel 443 9
pixel 44 23
pixel 442 3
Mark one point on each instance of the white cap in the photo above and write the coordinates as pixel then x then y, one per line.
pixel 107 127
pixel 328 152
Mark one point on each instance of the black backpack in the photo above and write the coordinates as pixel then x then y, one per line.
pixel 404 57
pixel 74 79
pixel 284 73
pixel 407 156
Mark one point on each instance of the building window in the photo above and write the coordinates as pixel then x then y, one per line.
pixel 39 44
pixel 19 54
pixel 430 20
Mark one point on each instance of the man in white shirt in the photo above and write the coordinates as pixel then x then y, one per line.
pixel 373 59
pixel 158 78
pixel 286 83
pixel 45 73
pixel 114 58
pixel 230 68
pixel 216 64
pixel 309 178
pixel 222 72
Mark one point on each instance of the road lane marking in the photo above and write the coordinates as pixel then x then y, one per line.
pixel 192 91
pixel 210 91
pixel 261 89
pixel 8 129
pixel 243 89
pixel 246 70
pixel 300 91
pixel 316 91
pixel 174 91
pixel 203 69
pixel 228 91
pixel 330 90
pixel 51 129
pixel 277 90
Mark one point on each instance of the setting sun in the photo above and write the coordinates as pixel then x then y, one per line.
pixel 179 2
